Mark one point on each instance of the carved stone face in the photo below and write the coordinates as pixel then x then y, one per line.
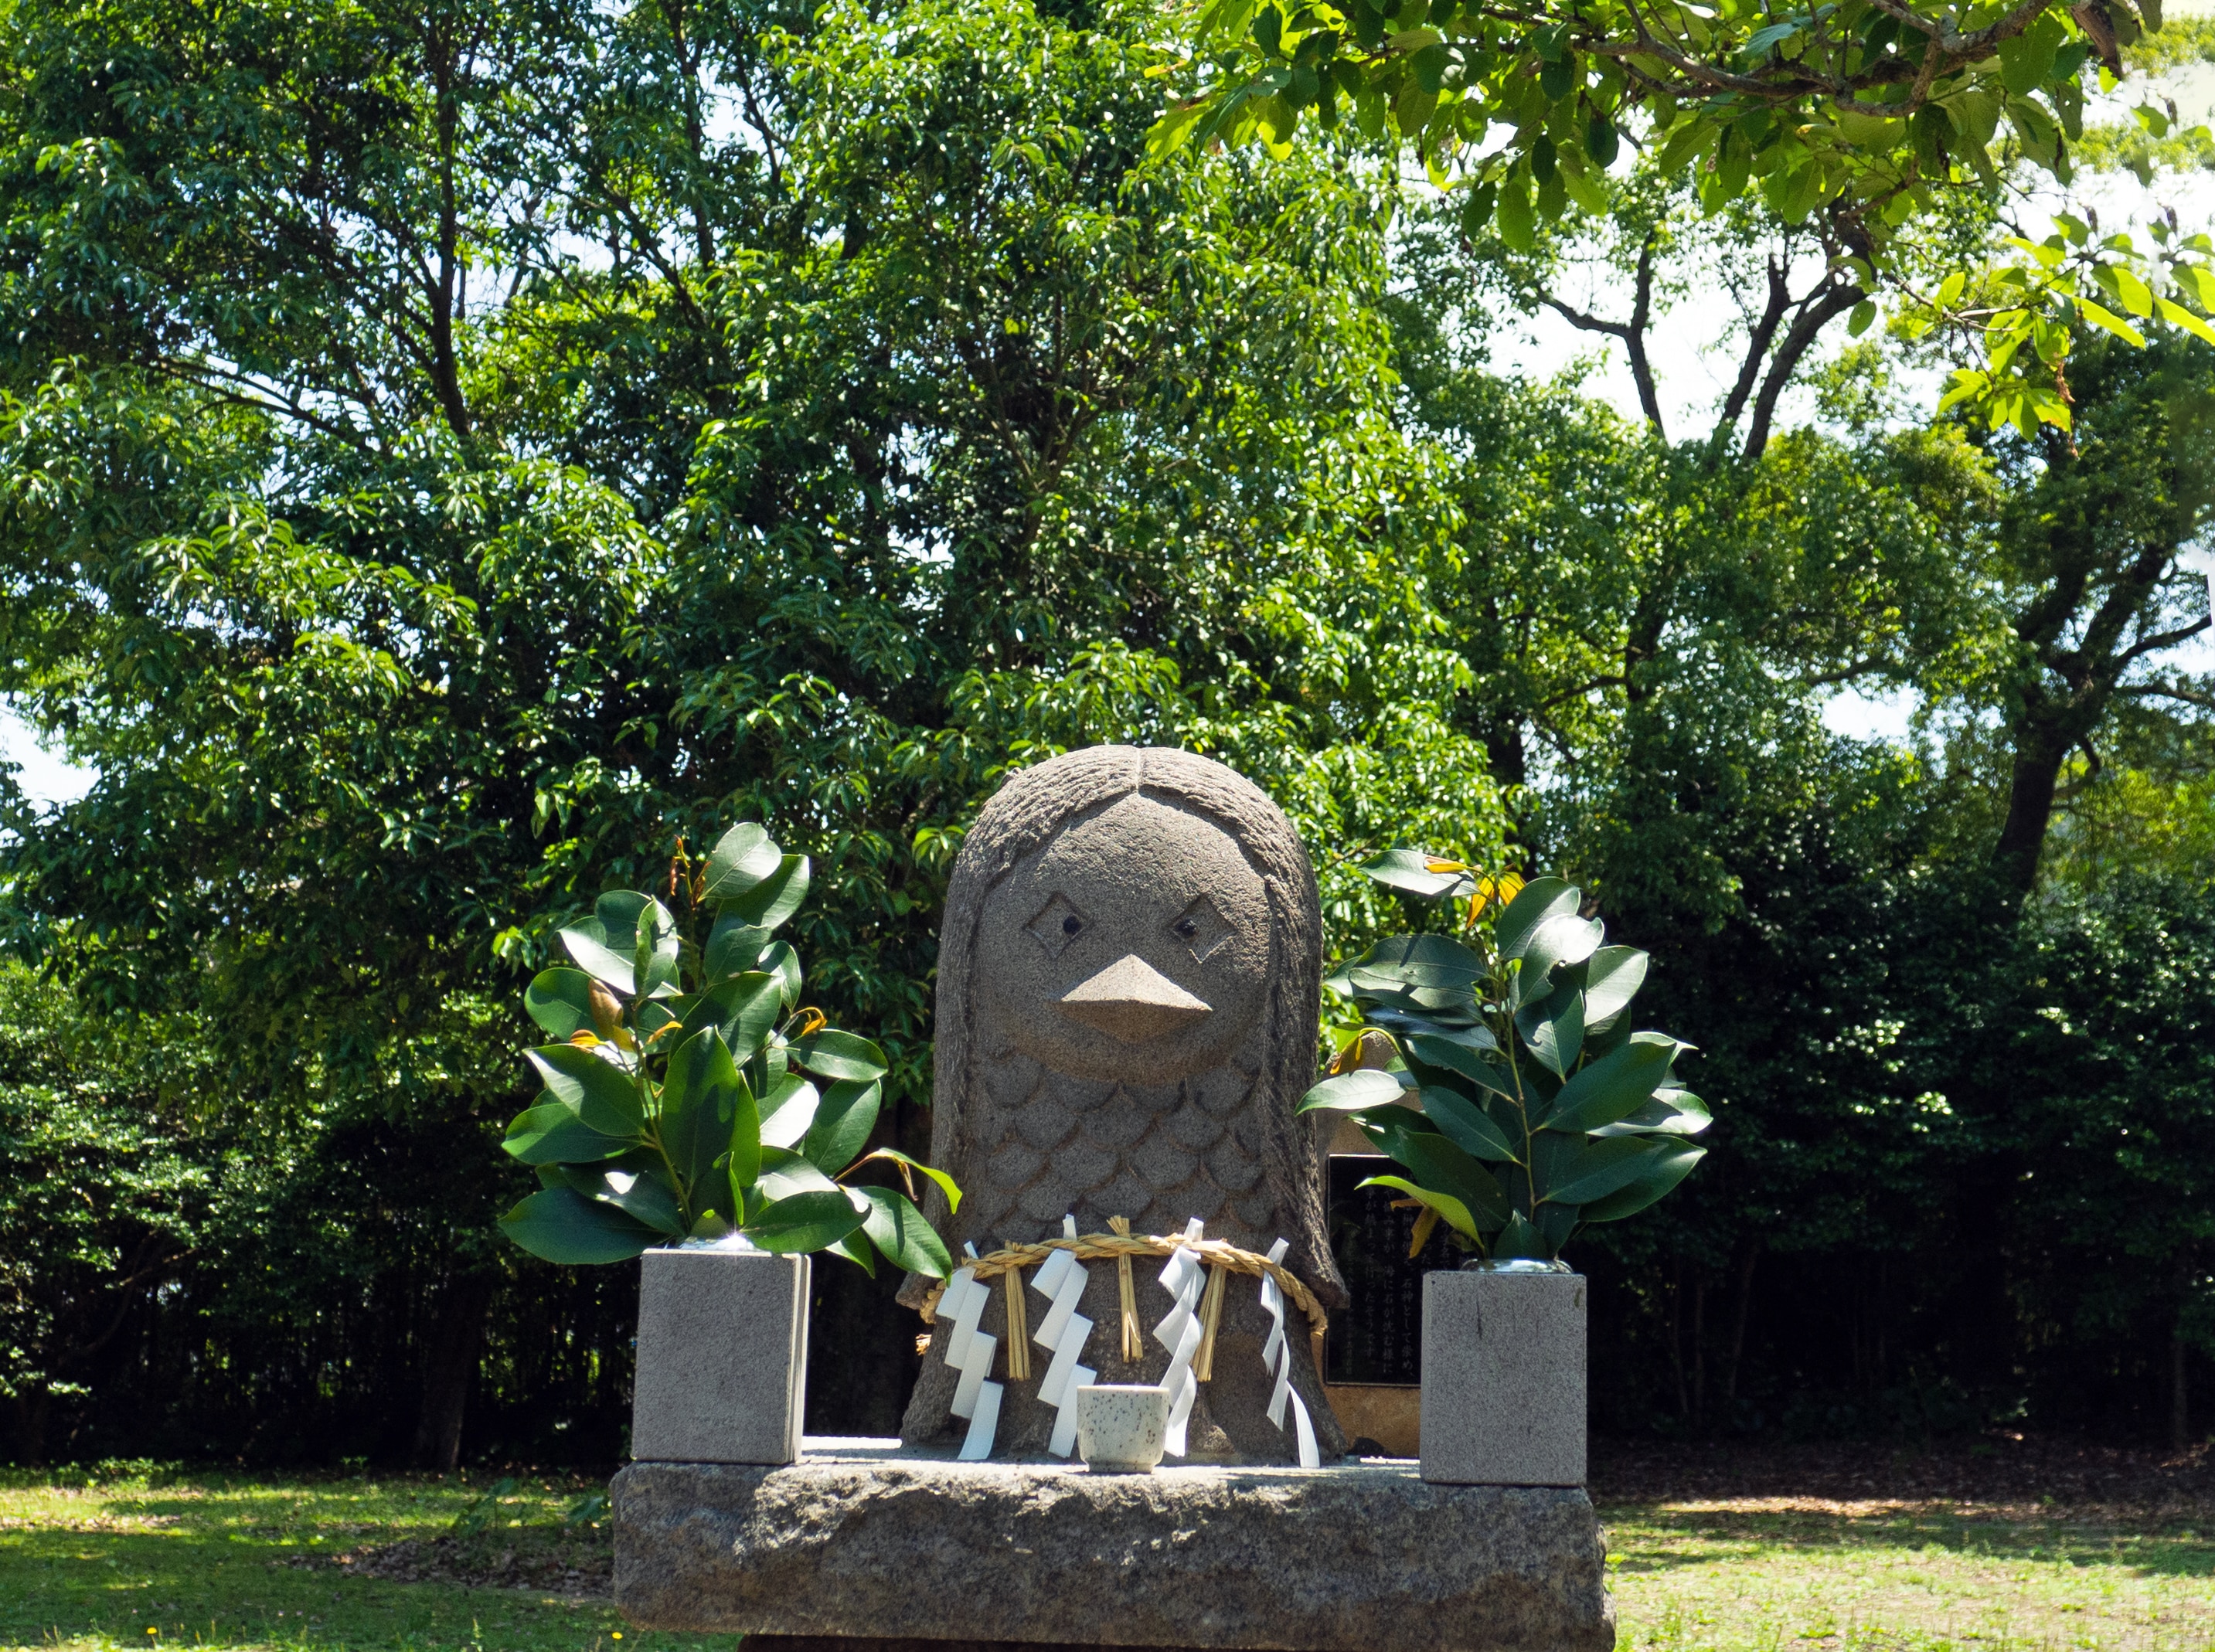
pixel 1133 945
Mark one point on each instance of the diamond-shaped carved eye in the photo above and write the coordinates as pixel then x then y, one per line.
pixel 1056 925
pixel 1201 927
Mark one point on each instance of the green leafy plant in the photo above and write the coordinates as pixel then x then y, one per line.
pixel 1502 1071
pixel 690 1095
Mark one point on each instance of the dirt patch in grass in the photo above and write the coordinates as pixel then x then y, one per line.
pixel 574 1568
pixel 1998 1475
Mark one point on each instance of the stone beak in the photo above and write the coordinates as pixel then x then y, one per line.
pixel 1132 1000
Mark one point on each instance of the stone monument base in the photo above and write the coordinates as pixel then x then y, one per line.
pixel 870 1546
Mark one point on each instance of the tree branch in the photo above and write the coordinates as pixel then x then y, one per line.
pixel 2166 639
pixel 2171 691
pixel 1812 321
pixel 1632 333
pixel 1757 350
pixel 1859 668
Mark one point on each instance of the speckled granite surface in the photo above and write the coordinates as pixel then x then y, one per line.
pixel 869 1544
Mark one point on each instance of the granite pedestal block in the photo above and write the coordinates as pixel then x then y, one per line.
pixel 868 1547
pixel 722 1357
pixel 1504 1379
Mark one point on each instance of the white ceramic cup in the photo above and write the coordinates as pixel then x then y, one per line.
pixel 1121 1426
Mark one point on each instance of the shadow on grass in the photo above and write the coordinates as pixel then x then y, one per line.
pixel 1648 1538
pixel 226 1561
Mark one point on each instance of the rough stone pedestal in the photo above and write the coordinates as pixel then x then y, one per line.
pixel 722 1357
pixel 865 1546
pixel 1504 1378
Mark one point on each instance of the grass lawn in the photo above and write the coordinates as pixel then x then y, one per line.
pixel 209 1559
pixel 1700 1557
pixel 1751 1574
pixel 1986 1545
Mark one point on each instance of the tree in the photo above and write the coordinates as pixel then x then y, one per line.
pixel 2090 551
pixel 104 1199
pixel 514 478
pixel 2119 1019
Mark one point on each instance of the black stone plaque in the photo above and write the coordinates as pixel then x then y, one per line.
pixel 1378 1339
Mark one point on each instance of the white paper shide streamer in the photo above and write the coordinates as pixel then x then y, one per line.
pixel 970 1351
pixel 1277 1358
pixel 1061 1279
pixel 1179 1332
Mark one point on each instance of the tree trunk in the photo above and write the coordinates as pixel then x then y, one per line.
pixel 2033 781
pixel 450 1366
pixel 1677 1337
pixel 2180 1408
pixel 1741 1312
pixel 33 1408
pixel 2180 1413
pixel 1700 1353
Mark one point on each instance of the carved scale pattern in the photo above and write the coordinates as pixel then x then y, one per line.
pixel 1047 1145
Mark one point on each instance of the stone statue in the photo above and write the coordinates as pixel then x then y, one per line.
pixel 1128 986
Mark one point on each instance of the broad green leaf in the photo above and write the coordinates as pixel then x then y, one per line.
pixel 1457 1004
pixel 841 1125
pixel 1671 1112
pixel 617 915
pixel 2177 314
pixel 1436 1162
pixel 1451 1210
pixel 787 1112
pixel 897 1228
pixel 1558 1041
pixel 595 958
pixel 784 1173
pixel 833 1055
pixel 2112 322
pixel 650 1015
pixel 560 1224
pixel 1613 976
pixel 780 961
pixel 712 1224
pixel 560 1000
pixel 653 958
pixel 2133 293
pixel 1411 870
pixel 1615 1085
pixel 639 1187
pixel 553 1132
pixel 1465 1124
pixel 1477 1038
pixel 1518 1239
pixel 1555 1223
pixel 1670 1167
pixel 1541 898
pixel 1454 1056
pixel 804 1222
pixel 1562 938
pixel 1517 227
pixel 1349 1092
pixel 775 898
pixel 742 858
pixel 604 1096
pixel 707 1112
pixel 733 948
pixel 946 1184
pixel 1420 961
pixel 743 1008
pixel 857 1250
pixel 1568 1170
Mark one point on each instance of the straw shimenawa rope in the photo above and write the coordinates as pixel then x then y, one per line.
pixel 1134 1345
pixel 1091 1247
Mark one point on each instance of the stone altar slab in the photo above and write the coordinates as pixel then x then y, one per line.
pixel 865 1546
